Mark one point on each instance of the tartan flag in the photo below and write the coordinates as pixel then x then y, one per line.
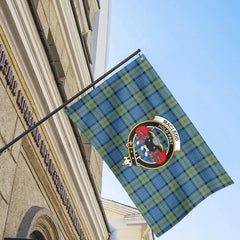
pixel 150 144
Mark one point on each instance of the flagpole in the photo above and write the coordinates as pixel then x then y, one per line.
pixel 67 102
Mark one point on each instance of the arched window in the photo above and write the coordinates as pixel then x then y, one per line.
pixel 36 235
pixel 38 224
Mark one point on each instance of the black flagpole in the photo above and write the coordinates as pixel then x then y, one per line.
pixel 67 102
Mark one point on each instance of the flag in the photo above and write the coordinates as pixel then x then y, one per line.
pixel 150 144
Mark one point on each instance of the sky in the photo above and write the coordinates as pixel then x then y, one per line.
pixel 194 46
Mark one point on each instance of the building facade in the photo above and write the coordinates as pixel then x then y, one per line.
pixel 50 180
pixel 126 222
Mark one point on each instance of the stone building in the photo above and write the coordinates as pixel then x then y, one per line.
pixel 50 180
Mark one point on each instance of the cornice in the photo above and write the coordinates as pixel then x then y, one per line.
pixel 119 208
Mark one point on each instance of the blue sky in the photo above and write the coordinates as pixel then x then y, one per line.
pixel 195 48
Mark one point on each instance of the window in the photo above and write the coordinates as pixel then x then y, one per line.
pixel 36 235
pixel 38 224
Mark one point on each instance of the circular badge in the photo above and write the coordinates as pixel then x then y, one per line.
pixel 152 143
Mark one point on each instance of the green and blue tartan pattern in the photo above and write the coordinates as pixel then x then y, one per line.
pixel 106 116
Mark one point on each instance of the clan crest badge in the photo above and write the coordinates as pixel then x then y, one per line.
pixel 152 143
